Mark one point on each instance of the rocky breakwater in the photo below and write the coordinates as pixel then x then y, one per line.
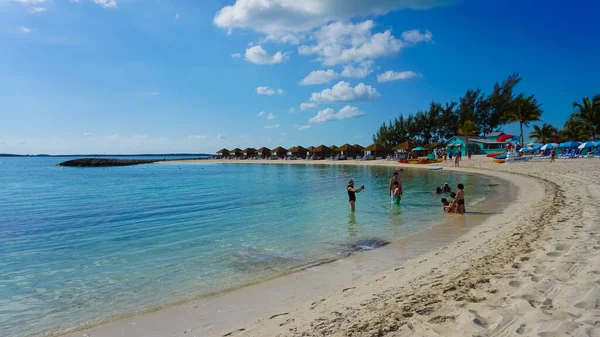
pixel 106 162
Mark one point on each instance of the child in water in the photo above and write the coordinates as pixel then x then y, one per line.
pixel 446 204
pixel 397 193
pixel 451 208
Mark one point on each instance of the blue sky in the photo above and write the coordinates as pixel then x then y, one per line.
pixel 133 76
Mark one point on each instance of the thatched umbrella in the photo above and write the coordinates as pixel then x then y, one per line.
pixel 279 152
pixel 298 151
pixel 376 148
pixel 223 152
pixel 321 151
pixel 433 145
pixel 264 152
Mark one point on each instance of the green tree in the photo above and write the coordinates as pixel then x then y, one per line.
pixel 543 134
pixel 500 101
pixel 467 128
pixel 588 116
pixel 524 110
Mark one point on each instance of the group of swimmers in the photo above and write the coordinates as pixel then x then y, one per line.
pixel 395 189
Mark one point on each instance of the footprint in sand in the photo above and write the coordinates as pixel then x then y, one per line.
pixel 288 321
pixel 515 284
pixel 553 254
pixel 561 248
pixel 233 333
pixel 315 304
pixel 521 329
pixel 278 315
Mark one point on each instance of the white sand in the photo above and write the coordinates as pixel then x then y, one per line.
pixel 532 271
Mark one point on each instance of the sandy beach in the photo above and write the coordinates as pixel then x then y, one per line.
pixel 531 270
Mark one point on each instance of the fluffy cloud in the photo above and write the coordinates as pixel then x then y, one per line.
pixel 106 3
pixel 221 136
pixel 268 91
pixel 329 114
pixel 415 36
pixel 141 136
pixel 37 10
pixel 271 116
pixel 302 127
pixel 260 114
pixel 344 92
pixel 258 55
pixel 198 137
pixel 319 77
pixel 24 30
pixel 306 106
pixel 360 71
pixel 390 76
pixel 281 20
pixel 275 126
pixel 236 56
pixel 30 2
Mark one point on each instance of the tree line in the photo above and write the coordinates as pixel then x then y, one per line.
pixel 476 113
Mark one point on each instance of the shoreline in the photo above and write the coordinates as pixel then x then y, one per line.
pixel 122 325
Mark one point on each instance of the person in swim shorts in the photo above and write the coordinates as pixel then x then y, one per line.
pixel 460 199
pixel 395 178
pixel 397 193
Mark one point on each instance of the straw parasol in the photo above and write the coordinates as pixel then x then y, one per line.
pixel 433 145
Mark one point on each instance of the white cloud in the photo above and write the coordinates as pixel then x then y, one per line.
pixel 141 136
pixel 271 116
pixel 112 137
pixel 362 70
pixel 24 30
pixel 302 127
pixel 343 43
pixel 106 3
pixel 198 137
pixel 260 114
pixel 280 18
pixel 236 56
pixel 37 10
pixel 415 36
pixel 319 77
pixel 306 106
pixel 177 16
pixel 343 92
pixel 275 126
pixel 258 55
pixel 30 2
pixel 266 91
pixel 292 110
pixel 358 137
pixel 329 114
pixel 390 76
pixel 88 135
pixel 221 136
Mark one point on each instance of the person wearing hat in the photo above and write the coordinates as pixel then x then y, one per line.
pixel 446 188
pixel 352 193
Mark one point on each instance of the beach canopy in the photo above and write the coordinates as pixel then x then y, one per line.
pixel 570 144
pixel 345 147
pixel 526 148
pixel 297 149
pixel 549 146
pixel 376 147
pixel 433 145
pixel 505 138
pixel 538 146
pixel 586 145
pixel 222 151
pixel 419 149
pixel 321 148
pixel 596 144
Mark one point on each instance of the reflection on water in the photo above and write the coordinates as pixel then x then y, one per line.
pixel 352 225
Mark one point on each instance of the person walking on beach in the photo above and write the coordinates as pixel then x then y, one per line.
pixel 352 194
pixel 395 179
pixel 552 155
pixel 456 161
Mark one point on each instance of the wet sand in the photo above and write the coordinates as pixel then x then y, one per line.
pixel 481 279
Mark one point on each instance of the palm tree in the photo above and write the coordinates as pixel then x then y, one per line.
pixel 523 110
pixel 467 128
pixel 588 115
pixel 544 133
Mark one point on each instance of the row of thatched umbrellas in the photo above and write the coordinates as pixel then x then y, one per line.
pixel 321 151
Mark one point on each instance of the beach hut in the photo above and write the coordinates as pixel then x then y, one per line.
pixel 405 147
pixel 236 152
pixel 279 152
pixel 346 151
pixel 360 150
pixel 223 153
pixel 263 153
pixel 321 152
pixel 375 150
pixel 249 152
pixel 298 152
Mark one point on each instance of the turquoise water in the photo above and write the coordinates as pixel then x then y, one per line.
pixel 81 246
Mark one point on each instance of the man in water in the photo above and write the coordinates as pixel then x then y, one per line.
pixel 460 199
pixel 395 178
pixel 446 188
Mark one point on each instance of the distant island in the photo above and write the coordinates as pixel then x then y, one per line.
pixel 109 162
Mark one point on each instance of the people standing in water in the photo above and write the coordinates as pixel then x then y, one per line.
pixel 460 199
pixel 397 193
pixel 395 179
pixel 446 188
pixel 352 194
